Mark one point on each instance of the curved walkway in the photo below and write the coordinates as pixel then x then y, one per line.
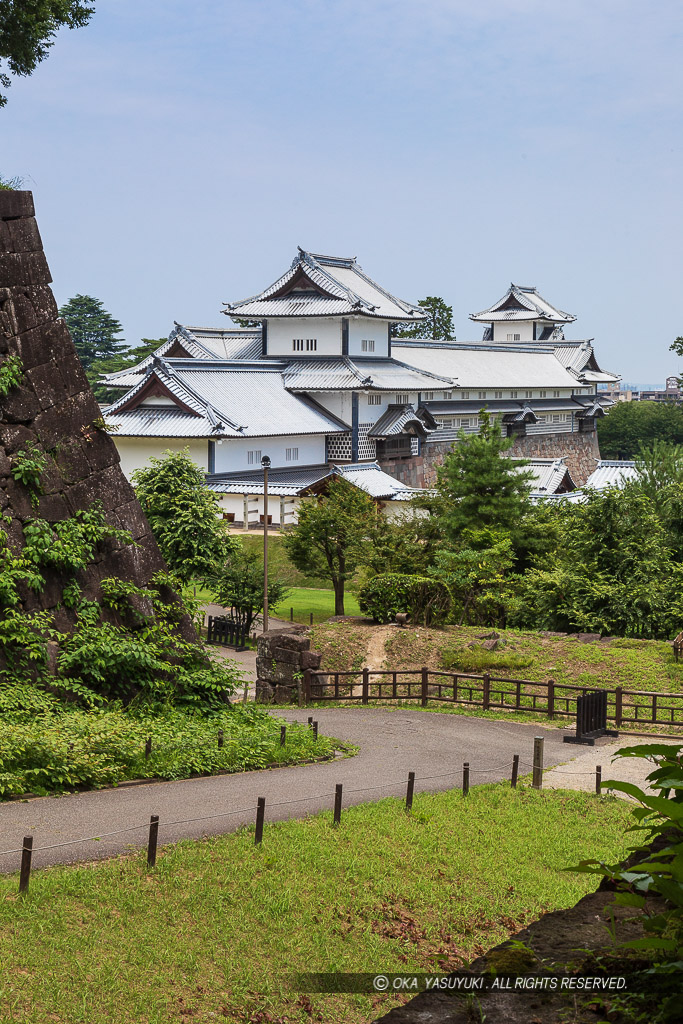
pixel 391 743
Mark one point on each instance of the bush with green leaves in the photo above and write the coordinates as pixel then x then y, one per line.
pixel 239 586
pixel 426 600
pixel 65 750
pixel 11 372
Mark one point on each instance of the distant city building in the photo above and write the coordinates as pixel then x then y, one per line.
pixel 621 392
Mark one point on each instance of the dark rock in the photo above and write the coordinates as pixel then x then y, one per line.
pixel 23 235
pixel 286 657
pixel 23 268
pixel 588 638
pixel 16 203
pixel 264 692
pixel 310 659
pixel 489 636
pixel 48 384
pixel 19 406
pixel 285 694
pixel 53 508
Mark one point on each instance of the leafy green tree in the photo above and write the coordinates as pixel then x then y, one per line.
pixel 659 465
pixel 330 537
pixel 28 29
pixel 477 576
pixel 93 329
pixel 239 585
pixel 631 425
pixel 183 514
pixel 612 571
pixel 125 358
pixel 479 487
pixel 439 323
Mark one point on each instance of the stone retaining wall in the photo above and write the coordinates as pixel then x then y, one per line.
pixel 282 657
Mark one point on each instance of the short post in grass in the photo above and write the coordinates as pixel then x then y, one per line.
pixel 486 691
pixel 598 779
pixel 310 619
pixel 315 732
pixel 220 737
pixel 148 748
pixel 537 778
pixel 26 854
pixel 515 771
pixel 366 686
pixel 425 686
pixel 152 840
pixel 465 778
pixel 337 803
pixel 291 615
pixel 410 791
pixel 283 735
pixel 551 698
pixel 618 706
pixel 310 721
pixel 260 817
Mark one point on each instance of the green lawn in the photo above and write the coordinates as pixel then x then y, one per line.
pixel 305 600
pixel 216 930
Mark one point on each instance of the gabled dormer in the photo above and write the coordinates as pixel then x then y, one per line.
pixel 325 306
pixel 522 315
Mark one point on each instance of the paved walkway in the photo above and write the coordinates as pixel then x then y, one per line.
pixel 391 743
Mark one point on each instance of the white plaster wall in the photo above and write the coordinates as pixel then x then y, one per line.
pixel 235 503
pixel 374 330
pixel 336 402
pixel 525 329
pixel 231 455
pixel 281 332
pixel 136 452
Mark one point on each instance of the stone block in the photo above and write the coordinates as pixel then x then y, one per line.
pixel 48 385
pixel 24 268
pixel 294 642
pixel 14 436
pixel 310 659
pixel 4 463
pixel 285 694
pixel 20 406
pixel 588 638
pixel 23 235
pixel 28 308
pixel 72 461
pixel 109 487
pixel 132 518
pixel 16 203
pixel 286 657
pixel 265 668
pixel 264 692
pixel 53 508
pixel 100 451
pixel 45 343
pixel 19 499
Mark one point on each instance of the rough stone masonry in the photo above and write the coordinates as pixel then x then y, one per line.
pixel 53 408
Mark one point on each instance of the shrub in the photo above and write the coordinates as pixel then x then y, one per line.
pixel 427 601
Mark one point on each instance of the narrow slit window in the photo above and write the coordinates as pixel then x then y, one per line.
pixel 291 454
pixel 367 345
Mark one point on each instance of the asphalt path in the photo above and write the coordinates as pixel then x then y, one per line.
pixel 391 743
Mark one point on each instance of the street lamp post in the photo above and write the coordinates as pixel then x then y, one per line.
pixel 265 462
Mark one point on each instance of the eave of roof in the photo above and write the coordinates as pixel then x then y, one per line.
pixel 531 306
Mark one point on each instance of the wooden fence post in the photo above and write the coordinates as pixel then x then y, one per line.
pixel 410 791
pixel 337 803
pixel 515 771
pixel 366 686
pixel 598 779
pixel 551 698
pixel 315 731
pixel 26 854
pixel 260 816
pixel 283 735
pixel 152 840
pixel 618 705
pixel 425 686
pixel 148 748
pixel 465 778
pixel 537 781
pixel 220 737
pixel 486 692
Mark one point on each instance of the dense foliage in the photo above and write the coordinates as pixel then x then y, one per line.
pixel 56 749
pixel 28 30
pixel 239 585
pixel 426 600
pixel 94 331
pixel 631 425
pixel 331 536
pixel 183 515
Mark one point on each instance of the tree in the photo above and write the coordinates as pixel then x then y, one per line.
pixel 631 425
pixel 27 31
pixel 659 465
pixel 125 357
pixel 183 514
pixel 479 487
pixel 330 536
pixel 439 324
pixel 92 328
pixel 239 585
pixel 477 576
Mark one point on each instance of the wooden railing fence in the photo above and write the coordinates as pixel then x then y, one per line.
pixel 624 707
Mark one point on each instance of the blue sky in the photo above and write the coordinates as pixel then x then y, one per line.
pixel 179 152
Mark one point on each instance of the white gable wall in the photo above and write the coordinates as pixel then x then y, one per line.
pixel 361 329
pixel 525 329
pixel 326 332
pixel 232 455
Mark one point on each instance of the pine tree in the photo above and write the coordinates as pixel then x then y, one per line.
pixel 439 323
pixel 481 488
pixel 92 328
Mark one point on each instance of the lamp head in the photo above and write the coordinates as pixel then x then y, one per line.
pixel 265 462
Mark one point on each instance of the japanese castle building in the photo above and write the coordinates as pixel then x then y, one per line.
pixel 323 387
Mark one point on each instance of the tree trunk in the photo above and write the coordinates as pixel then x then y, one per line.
pixel 338 596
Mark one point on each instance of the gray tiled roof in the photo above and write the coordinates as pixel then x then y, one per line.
pixel 611 473
pixel 344 373
pixel 340 288
pixel 488 367
pixel 397 419
pixel 522 303
pixel 285 482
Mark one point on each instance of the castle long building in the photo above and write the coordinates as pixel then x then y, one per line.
pixel 324 387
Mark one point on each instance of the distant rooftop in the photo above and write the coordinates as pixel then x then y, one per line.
pixel 522 303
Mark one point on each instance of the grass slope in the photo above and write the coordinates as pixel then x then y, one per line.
pixel 215 931
pixel 305 600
